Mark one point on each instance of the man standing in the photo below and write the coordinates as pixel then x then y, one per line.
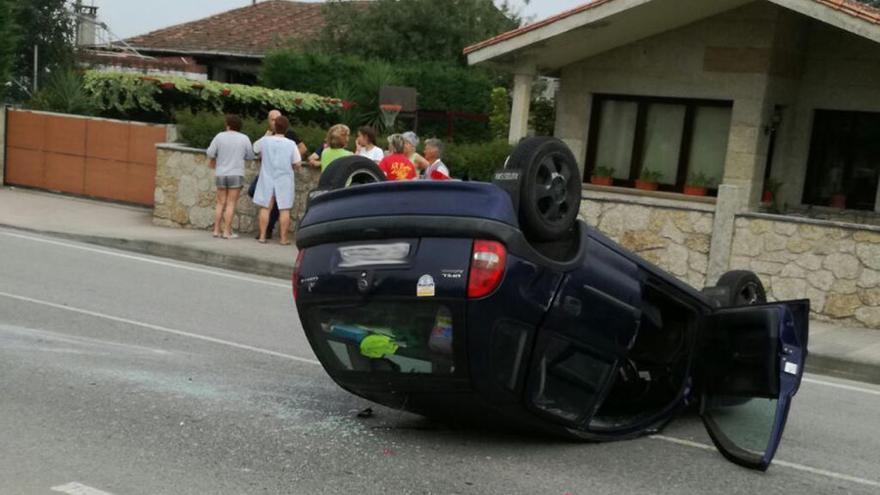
pixel 291 135
pixel 436 169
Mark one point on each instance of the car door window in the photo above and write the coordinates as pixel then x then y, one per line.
pixel 753 364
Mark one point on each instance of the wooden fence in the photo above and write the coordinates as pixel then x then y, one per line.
pixel 100 158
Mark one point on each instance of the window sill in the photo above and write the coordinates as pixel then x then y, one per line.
pixel 649 198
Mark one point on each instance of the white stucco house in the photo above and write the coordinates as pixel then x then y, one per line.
pixel 739 91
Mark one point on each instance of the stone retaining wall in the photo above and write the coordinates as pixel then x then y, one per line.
pixel 672 234
pixel 835 265
pixel 185 193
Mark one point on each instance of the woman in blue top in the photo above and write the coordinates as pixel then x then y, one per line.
pixel 279 157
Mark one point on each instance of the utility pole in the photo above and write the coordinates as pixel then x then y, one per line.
pixel 36 67
pixel 77 10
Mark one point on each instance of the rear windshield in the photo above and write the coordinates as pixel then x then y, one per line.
pixel 396 337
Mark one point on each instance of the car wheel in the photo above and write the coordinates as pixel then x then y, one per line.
pixel 549 188
pixel 350 171
pixel 744 288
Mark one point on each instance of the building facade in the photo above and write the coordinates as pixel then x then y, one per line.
pixel 772 104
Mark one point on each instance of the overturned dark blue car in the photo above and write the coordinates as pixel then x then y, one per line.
pixel 492 303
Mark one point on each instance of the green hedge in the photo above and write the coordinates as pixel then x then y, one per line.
pixel 476 161
pixel 138 97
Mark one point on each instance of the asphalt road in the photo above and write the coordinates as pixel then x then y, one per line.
pixel 124 374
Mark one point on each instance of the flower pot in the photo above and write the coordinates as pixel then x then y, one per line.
pixel 601 181
pixel 646 186
pixel 838 201
pixel 695 190
pixel 767 197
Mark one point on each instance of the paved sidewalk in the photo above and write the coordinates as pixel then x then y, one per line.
pixel 131 228
pixel 852 353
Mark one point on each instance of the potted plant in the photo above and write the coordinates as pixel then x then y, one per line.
pixel 649 180
pixel 771 190
pixel 698 184
pixel 602 176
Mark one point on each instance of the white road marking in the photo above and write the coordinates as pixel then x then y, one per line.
pixel 74 488
pixel 790 465
pixel 158 328
pixel 841 386
pixel 150 260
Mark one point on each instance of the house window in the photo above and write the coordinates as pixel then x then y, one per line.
pixel 675 138
pixel 844 164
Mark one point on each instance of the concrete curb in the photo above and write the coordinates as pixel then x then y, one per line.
pixel 847 369
pixel 244 264
pixel 828 365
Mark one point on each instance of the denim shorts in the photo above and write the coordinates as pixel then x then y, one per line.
pixel 230 181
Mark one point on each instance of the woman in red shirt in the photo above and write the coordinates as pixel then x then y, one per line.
pixel 396 165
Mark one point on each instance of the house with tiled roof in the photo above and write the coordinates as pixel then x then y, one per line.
pixel 770 107
pixel 232 44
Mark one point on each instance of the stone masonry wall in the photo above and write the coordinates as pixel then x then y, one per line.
pixel 675 235
pixel 835 265
pixel 185 193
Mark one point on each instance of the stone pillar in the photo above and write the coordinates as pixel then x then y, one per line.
pixel 747 148
pixel 522 100
pixel 2 143
pixel 573 107
pixel 171 133
pixel 743 177
pixel 729 203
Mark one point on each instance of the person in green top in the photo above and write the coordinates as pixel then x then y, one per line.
pixel 337 140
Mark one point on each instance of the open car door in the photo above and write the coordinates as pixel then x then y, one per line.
pixel 753 363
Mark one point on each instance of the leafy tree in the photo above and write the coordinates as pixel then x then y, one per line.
pixel 499 119
pixel 872 3
pixel 412 30
pixel 48 25
pixel 8 42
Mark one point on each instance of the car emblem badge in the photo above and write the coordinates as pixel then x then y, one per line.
pixel 426 287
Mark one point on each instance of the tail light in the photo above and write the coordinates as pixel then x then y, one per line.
pixel 487 268
pixel 296 268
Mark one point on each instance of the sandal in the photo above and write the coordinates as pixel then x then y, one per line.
pixel 230 236
pixel 262 241
pixel 285 243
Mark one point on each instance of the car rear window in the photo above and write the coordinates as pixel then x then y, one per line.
pixel 396 337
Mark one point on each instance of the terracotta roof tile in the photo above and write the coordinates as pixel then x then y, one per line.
pixel 248 31
pixel 854 8
pixel 851 7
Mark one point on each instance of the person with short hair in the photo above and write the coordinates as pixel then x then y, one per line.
pixel 396 165
pixel 301 146
pixel 276 184
pixel 337 140
pixel 411 140
pixel 290 134
pixel 366 144
pixel 436 170
pixel 228 152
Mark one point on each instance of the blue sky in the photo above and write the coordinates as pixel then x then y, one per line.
pixel 128 18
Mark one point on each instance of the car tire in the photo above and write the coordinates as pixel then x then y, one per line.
pixel 744 288
pixel 549 188
pixel 350 171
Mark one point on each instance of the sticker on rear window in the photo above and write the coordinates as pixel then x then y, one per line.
pixel 426 287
